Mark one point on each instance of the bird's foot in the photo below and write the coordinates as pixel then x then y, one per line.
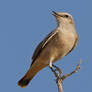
pixel 57 69
pixel 57 72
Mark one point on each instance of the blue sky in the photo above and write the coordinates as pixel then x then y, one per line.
pixel 23 24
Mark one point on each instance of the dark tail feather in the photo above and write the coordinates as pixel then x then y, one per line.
pixel 30 74
pixel 27 78
pixel 23 82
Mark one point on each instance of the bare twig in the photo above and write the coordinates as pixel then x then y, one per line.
pixel 69 74
pixel 59 78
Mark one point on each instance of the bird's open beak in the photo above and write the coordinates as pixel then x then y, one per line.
pixel 56 14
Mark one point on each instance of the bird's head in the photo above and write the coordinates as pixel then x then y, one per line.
pixel 63 18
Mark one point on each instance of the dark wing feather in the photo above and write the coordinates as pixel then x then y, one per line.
pixel 42 45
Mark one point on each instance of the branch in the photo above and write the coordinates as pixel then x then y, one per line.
pixel 59 78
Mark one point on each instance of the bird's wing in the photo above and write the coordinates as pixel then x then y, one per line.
pixel 75 43
pixel 42 45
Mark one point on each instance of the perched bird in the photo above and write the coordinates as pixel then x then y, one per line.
pixel 54 46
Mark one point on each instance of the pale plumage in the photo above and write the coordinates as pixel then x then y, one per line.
pixel 56 45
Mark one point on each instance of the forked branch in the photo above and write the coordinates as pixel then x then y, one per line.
pixel 59 78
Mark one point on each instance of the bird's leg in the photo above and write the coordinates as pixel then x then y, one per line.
pixel 50 64
pixel 57 69
pixel 53 70
pixel 57 72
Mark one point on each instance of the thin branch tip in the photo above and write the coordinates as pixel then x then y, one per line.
pixel 78 66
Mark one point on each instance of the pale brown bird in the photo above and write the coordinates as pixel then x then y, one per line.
pixel 56 45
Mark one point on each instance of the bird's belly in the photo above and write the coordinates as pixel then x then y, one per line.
pixel 55 51
pixel 60 52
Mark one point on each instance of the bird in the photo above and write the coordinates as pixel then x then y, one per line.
pixel 57 44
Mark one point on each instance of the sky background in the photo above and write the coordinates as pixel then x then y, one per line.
pixel 23 24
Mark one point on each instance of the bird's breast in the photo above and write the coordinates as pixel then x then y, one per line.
pixel 64 44
pixel 57 47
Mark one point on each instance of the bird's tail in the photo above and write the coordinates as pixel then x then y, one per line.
pixel 23 82
pixel 29 75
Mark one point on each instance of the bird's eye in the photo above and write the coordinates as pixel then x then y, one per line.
pixel 65 16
